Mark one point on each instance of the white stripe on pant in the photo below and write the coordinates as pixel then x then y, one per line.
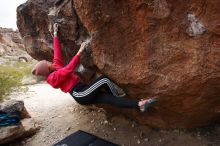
pixel 94 86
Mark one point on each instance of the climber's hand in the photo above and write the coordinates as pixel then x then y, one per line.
pixel 82 48
pixel 55 29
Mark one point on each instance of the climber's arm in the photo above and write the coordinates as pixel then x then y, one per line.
pixel 82 48
pixel 57 58
pixel 75 60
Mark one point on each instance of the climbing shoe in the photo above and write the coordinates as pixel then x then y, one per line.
pixel 144 104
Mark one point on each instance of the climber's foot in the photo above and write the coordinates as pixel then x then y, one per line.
pixel 144 104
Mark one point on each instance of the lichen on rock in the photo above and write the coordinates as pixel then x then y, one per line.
pixel 195 27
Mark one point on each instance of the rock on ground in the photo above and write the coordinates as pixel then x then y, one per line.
pixel 14 106
pixel 163 48
pixel 25 128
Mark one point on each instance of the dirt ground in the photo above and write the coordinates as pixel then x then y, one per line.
pixel 59 115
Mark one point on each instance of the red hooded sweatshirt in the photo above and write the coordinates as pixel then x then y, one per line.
pixel 63 77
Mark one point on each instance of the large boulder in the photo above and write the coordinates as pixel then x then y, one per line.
pixel 164 48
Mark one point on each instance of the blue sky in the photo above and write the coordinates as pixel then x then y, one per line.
pixel 8 13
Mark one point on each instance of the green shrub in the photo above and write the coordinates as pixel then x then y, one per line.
pixel 11 76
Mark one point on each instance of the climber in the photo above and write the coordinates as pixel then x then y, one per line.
pixel 60 76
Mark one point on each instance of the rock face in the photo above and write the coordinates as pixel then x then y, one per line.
pixel 35 20
pixel 10 42
pixel 11 47
pixel 164 48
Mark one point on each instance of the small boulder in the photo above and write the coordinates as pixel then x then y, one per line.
pixel 14 106
pixel 25 128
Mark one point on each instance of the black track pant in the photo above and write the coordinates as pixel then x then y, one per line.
pixel 94 93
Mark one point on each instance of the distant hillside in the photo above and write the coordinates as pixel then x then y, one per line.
pixel 11 43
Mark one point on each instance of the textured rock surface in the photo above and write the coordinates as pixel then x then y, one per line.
pixel 27 128
pixel 35 20
pixel 10 42
pixel 10 133
pixel 163 48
